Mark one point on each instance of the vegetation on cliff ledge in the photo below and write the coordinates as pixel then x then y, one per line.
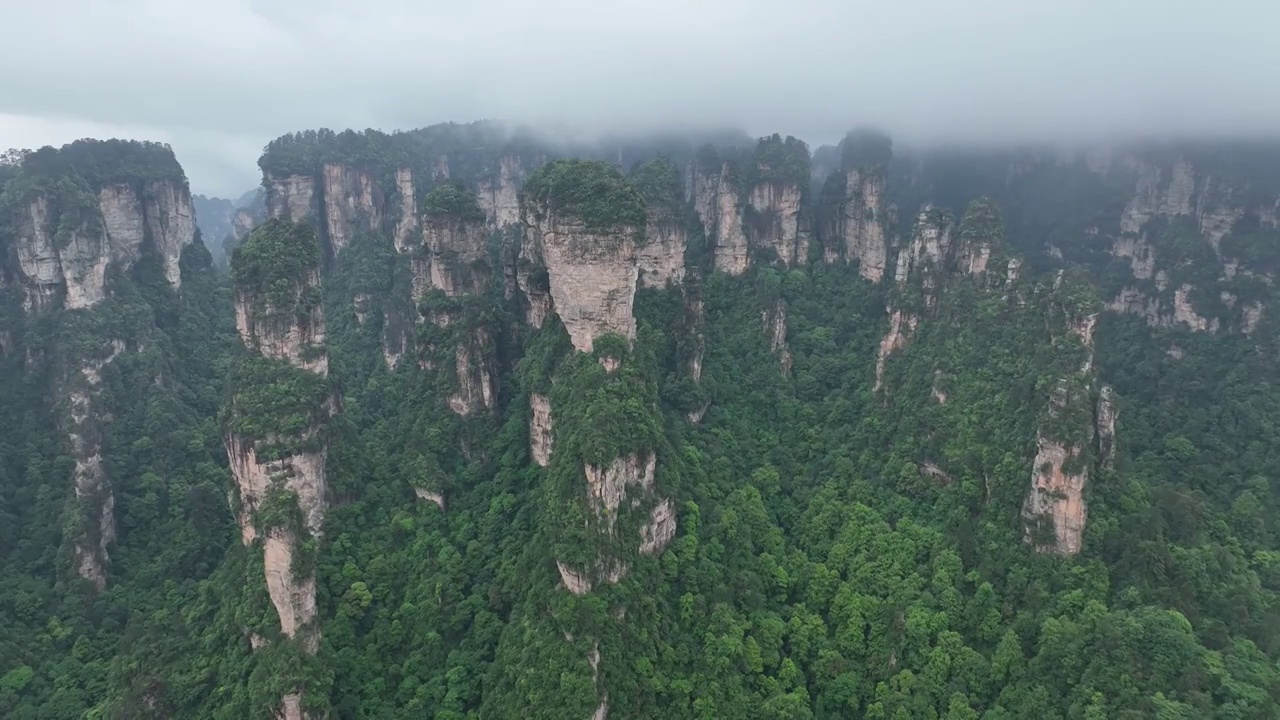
pixel 588 190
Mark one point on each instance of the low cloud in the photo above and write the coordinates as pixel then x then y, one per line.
pixel 218 79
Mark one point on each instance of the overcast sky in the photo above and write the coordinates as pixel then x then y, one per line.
pixel 217 79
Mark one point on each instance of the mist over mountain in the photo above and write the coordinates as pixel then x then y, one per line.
pixel 217 80
pixel 830 360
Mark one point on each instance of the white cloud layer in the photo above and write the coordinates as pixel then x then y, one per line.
pixel 218 79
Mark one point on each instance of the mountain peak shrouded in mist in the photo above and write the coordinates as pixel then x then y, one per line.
pixel 217 80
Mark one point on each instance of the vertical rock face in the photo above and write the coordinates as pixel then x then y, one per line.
pixel 92 488
pixel 1159 192
pixel 458 255
pixel 1183 312
pixel 457 264
pixel 927 254
pixel 1106 426
pixel 172 224
pixel 861 222
pixel 901 326
pixel 592 276
pixel 1054 512
pixel 351 204
pixel 1141 256
pixel 661 258
pixel 124 222
pixel 279 332
pixel 406 236
pixel 541 429
pixel 292 198
pixel 500 197
pixel 39 264
pixel 1056 498
pixel 777 209
pixel 475 389
pixel 280 478
pixel 718 204
pixel 775 329
pixel 732 254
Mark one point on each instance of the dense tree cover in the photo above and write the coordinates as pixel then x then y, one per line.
pixel 591 191
pixel 842 551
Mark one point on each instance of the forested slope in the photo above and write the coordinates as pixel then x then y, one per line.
pixel 480 425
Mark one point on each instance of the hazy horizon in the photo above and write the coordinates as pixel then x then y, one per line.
pixel 217 81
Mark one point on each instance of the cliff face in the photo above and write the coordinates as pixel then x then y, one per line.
pixel 274 330
pixel 280 476
pixel 719 205
pixel 499 196
pixel 861 223
pixel 1055 511
pixel 92 487
pixel 456 263
pixel 661 257
pixel 777 207
pixel 293 198
pixel 592 275
pixel 60 262
pixel 352 204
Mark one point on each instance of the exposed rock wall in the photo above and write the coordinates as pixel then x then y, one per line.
pixel 776 207
pixel 457 264
pixel 92 488
pixel 499 196
pixel 592 276
pixel 406 233
pixel 293 198
pixel 171 221
pixel 861 223
pixel 285 333
pixel 719 205
pixel 775 329
pixel 297 474
pixel 541 429
pixel 352 204
pixel 661 257
pixel 72 267
pixel 1055 511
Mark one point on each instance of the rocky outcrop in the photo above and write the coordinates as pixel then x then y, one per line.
pixel 163 213
pixel 1140 254
pixel 171 223
pixel 1055 512
pixel 1106 426
pixel 591 276
pixel 775 222
pixel 92 488
pixel 475 390
pixel 293 198
pixel 1056 498
pixel 351 204
pixel 294 332
pixel 1185 313
pixel 661 257
pixel 499 196
pixel 623 484
pixel 860 223
pixel 457 264
pixel 122 216
pixel 280 479
pixel 63 262
pixel 541 429
pixel 1132 301
pixel 927 254
pixel 406 233
pixel 774 320
pixel 719 205
pixel 1158 191
pixel 901 326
